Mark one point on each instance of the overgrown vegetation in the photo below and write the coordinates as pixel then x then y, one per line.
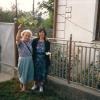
pixel 49 6
pixel 33 22
pixel 10 91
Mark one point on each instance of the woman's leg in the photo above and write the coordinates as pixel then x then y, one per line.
pixel 23 87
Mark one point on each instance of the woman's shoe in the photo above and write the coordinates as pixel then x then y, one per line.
pixel 41 89
pixel 34 87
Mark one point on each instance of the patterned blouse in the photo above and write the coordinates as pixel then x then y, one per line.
pixel 23 50
pixel 40 47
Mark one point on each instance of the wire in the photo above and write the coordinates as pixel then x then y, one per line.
pixel 77 25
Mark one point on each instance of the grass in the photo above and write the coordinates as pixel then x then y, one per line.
pixel 9 90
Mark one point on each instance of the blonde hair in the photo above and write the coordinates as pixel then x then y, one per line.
pixel 26 31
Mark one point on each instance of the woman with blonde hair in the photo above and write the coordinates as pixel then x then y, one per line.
pixel 25 61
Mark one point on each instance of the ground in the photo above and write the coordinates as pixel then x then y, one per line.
pixel 9 90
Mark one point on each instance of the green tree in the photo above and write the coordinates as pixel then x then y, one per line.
pixel 28 20
pixel 6 16
pixel 49 6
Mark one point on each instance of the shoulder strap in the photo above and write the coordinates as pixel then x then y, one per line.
pixel 28 48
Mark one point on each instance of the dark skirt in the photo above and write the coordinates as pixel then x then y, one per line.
pixel 40 68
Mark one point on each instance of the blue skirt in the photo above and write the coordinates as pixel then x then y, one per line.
pixel 25 69
pixel 40 68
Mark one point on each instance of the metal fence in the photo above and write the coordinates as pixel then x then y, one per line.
pixel 74 61
pixel 77 62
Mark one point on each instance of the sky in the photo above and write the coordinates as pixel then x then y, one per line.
pixel 25 5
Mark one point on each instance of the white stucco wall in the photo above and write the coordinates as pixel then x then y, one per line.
pixel 82 22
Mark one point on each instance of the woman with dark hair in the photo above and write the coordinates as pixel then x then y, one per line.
pixel 41 51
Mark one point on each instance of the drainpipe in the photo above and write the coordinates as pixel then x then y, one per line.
pixel 55 18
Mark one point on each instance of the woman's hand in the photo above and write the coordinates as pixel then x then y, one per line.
pixel 48 54
pixel 20 27
pixel 18 36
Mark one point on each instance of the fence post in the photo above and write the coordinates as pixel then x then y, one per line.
pixel 16 51
pixel 69 64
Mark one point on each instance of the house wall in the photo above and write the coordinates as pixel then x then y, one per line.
pixel 81 21
pixel 78 17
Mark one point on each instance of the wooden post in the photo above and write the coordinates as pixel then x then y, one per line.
pixel 69 64
pixel 55 18
pixel 15 47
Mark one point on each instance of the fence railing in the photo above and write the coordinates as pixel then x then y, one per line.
pixel 76 62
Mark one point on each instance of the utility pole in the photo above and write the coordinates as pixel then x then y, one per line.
pixel 33 7
pixel 15 31
pixel 16 9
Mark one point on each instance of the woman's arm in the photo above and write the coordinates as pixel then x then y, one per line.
pixel 18 36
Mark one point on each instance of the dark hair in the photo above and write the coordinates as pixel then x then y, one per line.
pixel 42 30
